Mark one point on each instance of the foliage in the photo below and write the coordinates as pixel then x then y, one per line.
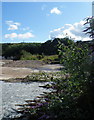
pixel 14 50
pixel 75 57
pixel 72 96
pixel 78 63
pixel 49 47
pixel 90 29
pixel 28 56
pixel 24 55
pixel 50 58
pixel 40 76
pixel 43 76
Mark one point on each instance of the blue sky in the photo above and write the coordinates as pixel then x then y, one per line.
pixel 40 21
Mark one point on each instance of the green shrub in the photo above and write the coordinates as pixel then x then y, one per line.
pixel 28 56
pixel 65 102
pixel 50 58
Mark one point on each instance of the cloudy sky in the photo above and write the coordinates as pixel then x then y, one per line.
pixel 40 21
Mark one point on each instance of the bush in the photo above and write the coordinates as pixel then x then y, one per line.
pixel 50 59
pixel 28 56
pixel 71 98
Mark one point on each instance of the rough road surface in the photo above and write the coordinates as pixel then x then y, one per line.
pixel 22 68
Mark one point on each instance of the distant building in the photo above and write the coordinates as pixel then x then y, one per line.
pixel 93 8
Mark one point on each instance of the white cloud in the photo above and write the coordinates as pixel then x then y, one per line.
pixel 25 35
pixel 19 36
pixel 56 11
pixel 73 31
pixel 12 25
pixel 11 36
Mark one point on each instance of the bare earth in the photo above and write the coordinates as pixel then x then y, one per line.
pixel 22 68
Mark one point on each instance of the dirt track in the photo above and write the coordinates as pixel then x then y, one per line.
pixel 20 69
pixel 23 63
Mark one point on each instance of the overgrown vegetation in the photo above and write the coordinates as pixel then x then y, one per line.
pixel 72 97
pixel 16 50
pixel 29 51
pixel 39 77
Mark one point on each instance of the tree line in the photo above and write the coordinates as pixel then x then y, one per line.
pixel 50 47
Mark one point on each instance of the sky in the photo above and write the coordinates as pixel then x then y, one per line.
pixel 42 21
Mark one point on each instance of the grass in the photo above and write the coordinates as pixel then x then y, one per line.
pixel 48 59
pixel 44 76
pixel 39 77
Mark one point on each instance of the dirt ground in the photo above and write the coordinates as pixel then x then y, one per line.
pixel 22 68
pixel 23 63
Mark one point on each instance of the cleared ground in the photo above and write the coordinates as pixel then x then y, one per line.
pixel 20 68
